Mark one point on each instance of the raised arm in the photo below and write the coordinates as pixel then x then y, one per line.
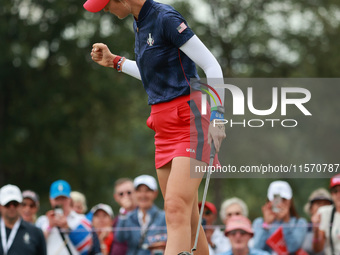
pixel 102 55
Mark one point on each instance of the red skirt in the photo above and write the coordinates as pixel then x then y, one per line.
pixel 180 129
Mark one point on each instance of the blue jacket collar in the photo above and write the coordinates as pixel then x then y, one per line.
pixel 145 10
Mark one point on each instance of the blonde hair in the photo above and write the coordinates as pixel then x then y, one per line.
pixel 231 201
pixel 79 197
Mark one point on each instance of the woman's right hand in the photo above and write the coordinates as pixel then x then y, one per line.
pixel 316 218
pixel 101 55
pixel 126 203
pixel 268 214
pixel 51 218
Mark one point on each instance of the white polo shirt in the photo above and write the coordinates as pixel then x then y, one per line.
pixel 54 242
pixel 325 212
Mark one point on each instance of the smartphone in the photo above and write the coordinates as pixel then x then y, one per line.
pixel 276 201
pixel 58 210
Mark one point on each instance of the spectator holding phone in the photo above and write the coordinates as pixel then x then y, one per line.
pixel 66 232
pixel 279 218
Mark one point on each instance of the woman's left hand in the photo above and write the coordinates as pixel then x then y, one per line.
pixel 217 134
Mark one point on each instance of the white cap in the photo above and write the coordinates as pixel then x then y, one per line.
pixel 147 180
pixel 10 193
pixel 106 208
pixel 280 188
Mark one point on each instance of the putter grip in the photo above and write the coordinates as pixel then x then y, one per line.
pixel 213 150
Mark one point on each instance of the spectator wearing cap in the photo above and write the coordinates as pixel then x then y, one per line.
pixel 17 236
pixel 145 221
pixel 318 198
pixel 215 237
pixel 102 222
pixel 239 232
pixel 327 222
pixel 30 206
pixel 279 214
pixel 66 231
pixel 78 202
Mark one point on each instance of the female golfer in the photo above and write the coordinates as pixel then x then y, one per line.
pixel 166 51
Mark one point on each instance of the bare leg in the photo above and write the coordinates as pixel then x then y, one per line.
pixel 180 205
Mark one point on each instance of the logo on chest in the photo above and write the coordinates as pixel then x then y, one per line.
pixel 27 239
pixel 150 40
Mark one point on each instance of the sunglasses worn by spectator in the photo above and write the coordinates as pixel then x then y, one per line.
pixel 234 232
pixel 335 190
pixel 207 212
pixel 14 203
pixel 126 192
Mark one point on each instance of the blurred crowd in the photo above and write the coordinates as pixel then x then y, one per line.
pixel 139 227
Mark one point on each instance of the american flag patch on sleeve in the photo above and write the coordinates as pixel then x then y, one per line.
pixel 181 27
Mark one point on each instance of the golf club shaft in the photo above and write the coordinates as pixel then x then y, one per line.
pixel 212 156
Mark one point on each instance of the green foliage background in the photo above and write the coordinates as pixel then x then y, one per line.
pixel 63 116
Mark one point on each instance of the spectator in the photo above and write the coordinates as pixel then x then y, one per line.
pixel 79 206
pixel 327 234
pixel 147 217
pixel 279 219
pixel 239 232
pixel 124 195
pixel 78 202
pixel 102 222
pixel 319 197
pixel 30 206
pixel 66 231
pixel 17 236
pixel 216 238
pixel 233 206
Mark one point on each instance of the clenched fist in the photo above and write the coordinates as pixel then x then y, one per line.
pixel 102 55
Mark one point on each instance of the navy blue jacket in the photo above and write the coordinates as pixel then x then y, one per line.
pixel 29 240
